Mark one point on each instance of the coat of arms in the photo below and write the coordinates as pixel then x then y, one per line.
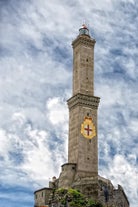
pixel 88 128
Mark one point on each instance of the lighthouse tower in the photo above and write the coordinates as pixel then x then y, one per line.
pixel 81 170
pixel 83 106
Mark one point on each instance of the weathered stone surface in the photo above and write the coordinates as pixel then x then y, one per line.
pixel 83 65
pixel 115 198
pixel 42 196
pixel 67 175
pixel 82 151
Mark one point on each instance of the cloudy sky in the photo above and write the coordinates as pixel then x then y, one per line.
pixel 36 81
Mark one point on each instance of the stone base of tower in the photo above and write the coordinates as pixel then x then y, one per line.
pixel 87 186
pixel 86 183
pixel 95 187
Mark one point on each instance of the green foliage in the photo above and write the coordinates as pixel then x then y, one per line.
pixel 60 195
pixel 91 203
pixel 77 199
pixel 74 197
pixel 61 191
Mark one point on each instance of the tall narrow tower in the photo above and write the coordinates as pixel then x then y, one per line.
pixel 83 106
pixel 81 171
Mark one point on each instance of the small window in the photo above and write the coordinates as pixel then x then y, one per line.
pixel 87 60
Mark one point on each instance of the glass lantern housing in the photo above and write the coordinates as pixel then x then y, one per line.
pixel 83 30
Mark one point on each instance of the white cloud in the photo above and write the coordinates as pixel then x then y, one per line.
pixel 123 172
pixel 5 144
pixel 36 71
pixel 58 113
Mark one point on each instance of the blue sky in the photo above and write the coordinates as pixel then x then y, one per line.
pixel 36 81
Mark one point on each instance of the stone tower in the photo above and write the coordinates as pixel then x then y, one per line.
pixel 81 171
pixel 83 105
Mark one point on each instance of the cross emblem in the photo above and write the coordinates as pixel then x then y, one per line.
pixel 88 130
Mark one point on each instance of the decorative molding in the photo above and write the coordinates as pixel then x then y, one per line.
pixel 83 100
pixel 84 40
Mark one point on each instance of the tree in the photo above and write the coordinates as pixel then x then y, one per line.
pixel 73 198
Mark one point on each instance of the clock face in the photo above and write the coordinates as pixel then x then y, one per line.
pixel 88 128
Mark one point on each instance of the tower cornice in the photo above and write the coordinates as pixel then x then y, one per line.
pixel 84 40
pixel 83 100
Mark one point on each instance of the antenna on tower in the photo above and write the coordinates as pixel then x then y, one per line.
pixel 86 23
